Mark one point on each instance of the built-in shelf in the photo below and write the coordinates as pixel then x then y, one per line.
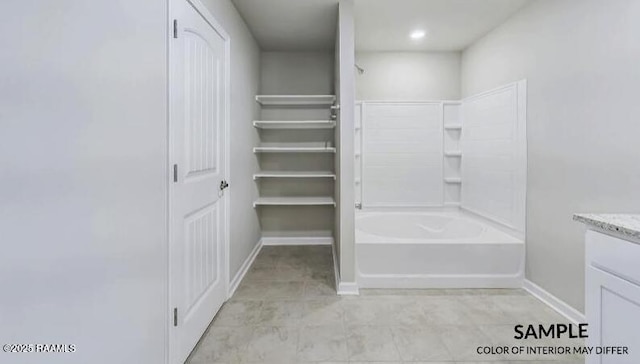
pixel 294 201
pixel 293 100
pixel 453 127
pixel 294 148
pixel 294 174
pixel 294 124
pixel 453 180
pixel 453 153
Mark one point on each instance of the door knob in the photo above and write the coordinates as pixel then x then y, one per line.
pixel 223 185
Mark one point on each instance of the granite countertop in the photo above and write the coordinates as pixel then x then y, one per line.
pixel 626 226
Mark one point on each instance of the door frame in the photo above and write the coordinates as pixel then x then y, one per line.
pixel 217 27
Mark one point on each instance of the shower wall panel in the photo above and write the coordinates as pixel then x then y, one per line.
pixel 402 158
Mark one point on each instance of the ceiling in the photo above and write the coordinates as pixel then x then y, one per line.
pixel 291 25
pixel 451 25
pixel 381 25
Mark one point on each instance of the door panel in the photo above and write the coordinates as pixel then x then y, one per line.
pixel 612 303
pixel 202 68
pixel 197 206
pixel 202 254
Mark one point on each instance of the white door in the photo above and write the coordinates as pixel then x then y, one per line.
pixel 197 212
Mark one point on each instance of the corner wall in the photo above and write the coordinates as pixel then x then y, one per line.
pixel 580 59
pixel 407 76
pixel 245 78
pixel 296 73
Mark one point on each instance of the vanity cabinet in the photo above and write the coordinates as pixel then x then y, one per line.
pixel 612 295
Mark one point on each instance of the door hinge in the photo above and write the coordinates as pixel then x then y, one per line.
pixel 175 28
pixel 175 316
pixel 175 173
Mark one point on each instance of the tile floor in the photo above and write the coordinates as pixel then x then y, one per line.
pixel 286 311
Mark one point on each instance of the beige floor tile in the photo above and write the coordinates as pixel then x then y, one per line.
pixel 463 341
pixel 322 343
pixel 322 311
pixel 423 344
pixel 320 287
pixel 371 343
pixel 222 345
pixel 485 310
pixel 286 311
pixel 280 313
pixel 238 313
pixel 283 290
pixel 365 312
pixel 528 309
pixel 447 310
pixel 301 273
pixel 272 344
pixel 250 290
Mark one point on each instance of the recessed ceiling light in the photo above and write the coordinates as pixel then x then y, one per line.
pixel 418 34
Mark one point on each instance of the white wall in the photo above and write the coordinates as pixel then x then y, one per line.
pixel 337 226
pixel 245 76
pixel 291 73
pixel 347 92
pixel 83 143
pixel 408 76
pixel 580 58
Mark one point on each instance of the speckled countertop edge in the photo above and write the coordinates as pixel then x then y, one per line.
pixel 624 225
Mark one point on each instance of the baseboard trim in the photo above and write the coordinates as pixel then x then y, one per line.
pixel 301 240
pixel 336 270
pixel 342 288
pixel 348 289
pixel 554 302
pixel 439 281
pixel 235 282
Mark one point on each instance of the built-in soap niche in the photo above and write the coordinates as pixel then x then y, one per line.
pixel 452 125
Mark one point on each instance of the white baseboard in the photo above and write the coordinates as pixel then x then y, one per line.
pixel 342 288
pixel 439 281
pixel 554 302
pixel 301 240
pixel 235 282
pixel 336 269
pixel 348 289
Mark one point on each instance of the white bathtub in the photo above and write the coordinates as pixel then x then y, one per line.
pixel 435 250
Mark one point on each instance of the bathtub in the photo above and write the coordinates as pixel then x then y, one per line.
pixel 435 250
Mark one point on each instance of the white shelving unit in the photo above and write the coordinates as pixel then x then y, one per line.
pixel 284 146
pixel 452 121
pixel 294 124
pixel 294 174
pixel 294 201
pixel 294 148
pixel 296 100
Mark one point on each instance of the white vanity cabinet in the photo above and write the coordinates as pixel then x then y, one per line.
pixel 612 288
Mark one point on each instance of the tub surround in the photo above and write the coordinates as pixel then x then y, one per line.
pixel 625 226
